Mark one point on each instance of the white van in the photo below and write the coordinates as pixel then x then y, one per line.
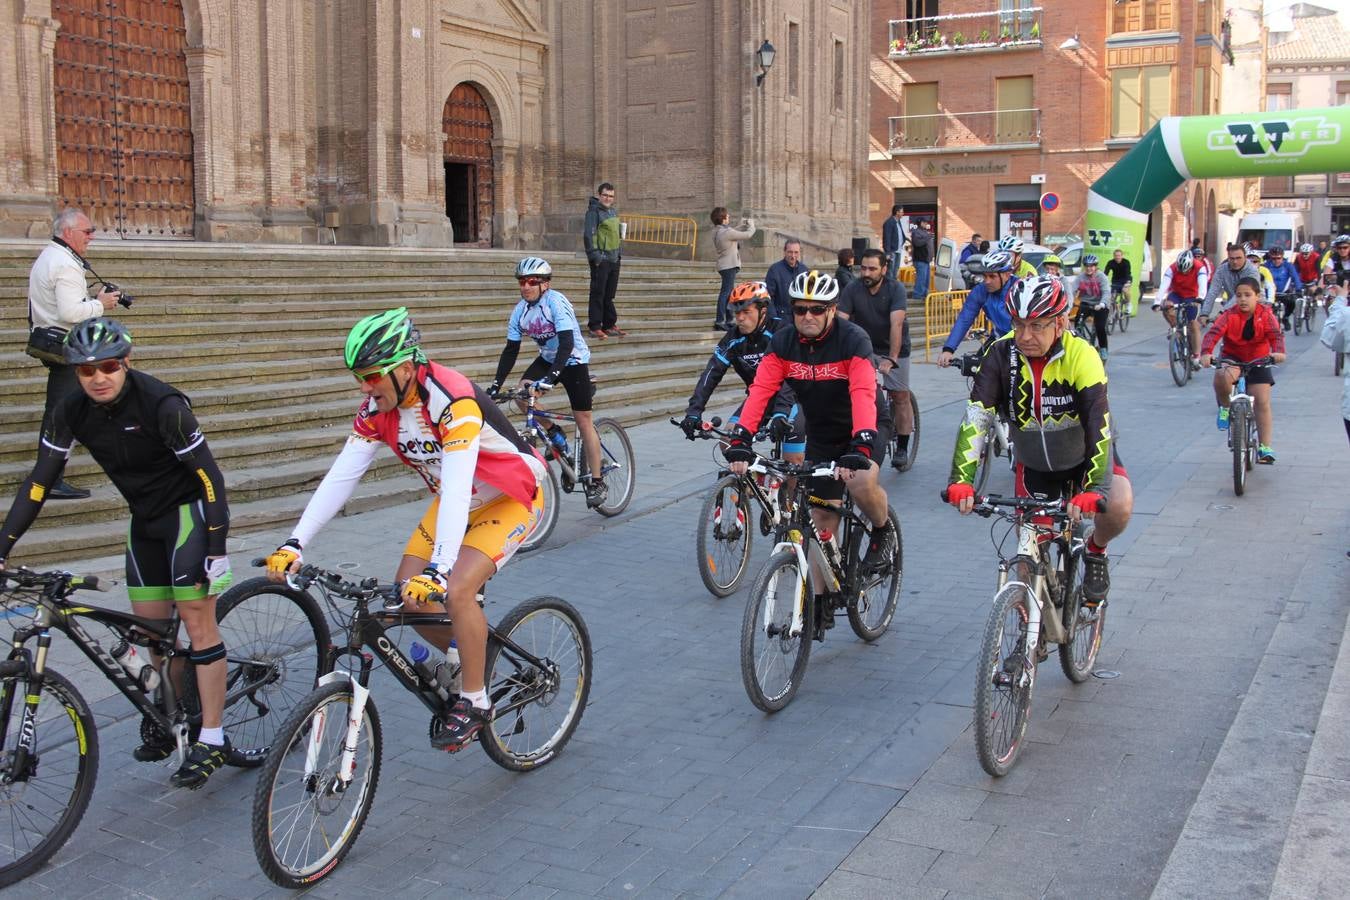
pixel 1267 228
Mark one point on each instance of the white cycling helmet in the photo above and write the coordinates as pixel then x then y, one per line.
pixel 1305 248
pixel 814 285
pixel 1185 261
pixel 533 265
pixel 998 261
pixel 1341 239
pixel 1011 243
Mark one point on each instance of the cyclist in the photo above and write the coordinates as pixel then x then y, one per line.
pixel 1183 284
pixel 144 436
pixel 1307 264
pixel 546 316
pixel 1052 265
pixel 1225 279
pixel 1014 246
pixel 827 361
pixel 1203 261
pixel 1092 301
pixel 1337 261
pixel 1249 331
pixel 1118 271
pixel 483 477
pixel 1287 283
pixel 1054 387
pixel 741 349
pixel 989 297
pixel 1267 280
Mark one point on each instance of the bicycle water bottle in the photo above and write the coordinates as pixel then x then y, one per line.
pixel 420 654
pixel 829 549
pixel 141 670
pixel 450 672
pixel 559 438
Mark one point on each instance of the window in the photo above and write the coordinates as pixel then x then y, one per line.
pixel 1016 119
pixel 1014 20
pixel 1200 92
pixel 920 15
pixel 1142 15
pixel 839 92
pixel 1343 93
pixel 919 127
pixel 1279 97
pixel 1139 98
pixel 794 59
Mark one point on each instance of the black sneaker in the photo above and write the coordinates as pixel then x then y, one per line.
pixel 900 459
pixel 596 492
pixel 202 760
pixel 461 726
pixel 880 550
pixel 64 491
pixel 1097 578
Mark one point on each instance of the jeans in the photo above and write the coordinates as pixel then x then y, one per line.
pixel 728 282
pixel 920 280
pixel 604 283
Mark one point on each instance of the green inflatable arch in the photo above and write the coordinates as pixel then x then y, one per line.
pixel 1178 148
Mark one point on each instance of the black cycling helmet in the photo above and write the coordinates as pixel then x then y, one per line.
pixel 97 339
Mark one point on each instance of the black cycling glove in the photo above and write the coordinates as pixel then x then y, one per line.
pixel 859 455
pixel 691 426
pixel 779 428
pixel 739 448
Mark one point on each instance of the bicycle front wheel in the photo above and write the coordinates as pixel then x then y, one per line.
pixel 1237 436
pixel 276 644
pixel 1124 310
pixel 616 466
pixel 773 660
pixel 1298 317
pixel 1004 679
pixel 872 607
pixel 537 705
pixel 724 537
pixel 1178 360
pixel 552 499
pixel 1083 624
pixel 305 816
pixel 45 796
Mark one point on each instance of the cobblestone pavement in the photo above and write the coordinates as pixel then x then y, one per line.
pixel 1180 775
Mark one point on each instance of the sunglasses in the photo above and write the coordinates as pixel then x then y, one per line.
pixel 530 281
pixel 107 367
pixel 369 377
pixel 817 309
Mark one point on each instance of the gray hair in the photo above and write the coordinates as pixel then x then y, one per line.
pixel 66 218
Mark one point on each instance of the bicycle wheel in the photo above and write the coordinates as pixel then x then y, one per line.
pixel 1113 319
pixel 1124 307
pixel 1178 360
pixel 305 822
pixel 773 661
pixel 724 535
pixel 616 466
pixel 276 644
pixel 1299 313
pixel 1004 680
pixel 872 607
pixel 1083 624
pixel 552 506
pixel 536 709
pixel 1337 363
pixel 46 800
pixel 914 435
pixel 1237 436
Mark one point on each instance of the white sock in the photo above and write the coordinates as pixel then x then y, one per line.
pixel 479 699
pixel 213 736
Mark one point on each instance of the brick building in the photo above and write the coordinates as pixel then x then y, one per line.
pixel 979 106
pixel 430 122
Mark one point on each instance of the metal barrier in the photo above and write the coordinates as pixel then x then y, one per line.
pixel 939 315
pixel 673 231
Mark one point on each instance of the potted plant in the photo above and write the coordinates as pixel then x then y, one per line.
pixel 984 35
pixel 1036 31
pixel 958 40
pixel 1005 35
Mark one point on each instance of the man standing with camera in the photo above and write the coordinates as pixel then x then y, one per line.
pixel 58 298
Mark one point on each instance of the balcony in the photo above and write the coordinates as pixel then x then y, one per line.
pixel 995 129
pixel 998 30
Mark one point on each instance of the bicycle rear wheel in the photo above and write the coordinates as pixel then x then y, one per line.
pixel 1237 436
pixel 536 710
pixel 914 435
pixel 773 661
pixel 304 823
pixel 872 607
pixel 724 537
pixel 1178 360
pixel 552 506
pixel 1004 680
pixel 41 805
pixel 616 466
pixel 276 644
pixel 1083 624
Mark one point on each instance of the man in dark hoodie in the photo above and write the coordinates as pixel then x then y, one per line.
pixel 603 237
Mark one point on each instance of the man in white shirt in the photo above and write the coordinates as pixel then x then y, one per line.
pixel 58 295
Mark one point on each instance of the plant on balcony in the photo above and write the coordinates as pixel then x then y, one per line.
pixel 984 36
pixel 1005 35
pixel 896 45
pixel 939 39
pixel 958 40
pixel 1036 31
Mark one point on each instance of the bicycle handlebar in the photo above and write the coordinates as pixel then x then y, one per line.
pixel 993 503
pixel 27 578
pixel 1244 366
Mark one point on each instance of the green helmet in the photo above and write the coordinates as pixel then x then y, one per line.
pixel 383 341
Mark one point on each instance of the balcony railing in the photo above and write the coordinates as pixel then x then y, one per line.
pixel 994 30
pixel 988 129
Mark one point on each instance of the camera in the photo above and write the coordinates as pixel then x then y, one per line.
pixel 969 364
pixel 126 298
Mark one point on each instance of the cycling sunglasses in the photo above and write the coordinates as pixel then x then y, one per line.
pixel 815 309
pixel 107 367
pixel 530 281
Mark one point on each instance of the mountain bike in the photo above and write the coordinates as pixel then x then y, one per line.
pixel 785 612
pixel 1119 316
pixel 1179 348
pixel 616 462
pixel 275 652
pixel 1242 434
pixel 1305 309
pixel 913 449
pixel 727 523
pixel 997 434
pixel 1039 602
pixel 1084 327
pixel 318 782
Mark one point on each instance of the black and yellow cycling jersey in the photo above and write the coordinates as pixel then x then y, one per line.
pixel 1059 414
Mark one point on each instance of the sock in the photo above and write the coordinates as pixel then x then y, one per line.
pixel 1092 546
pixel 213 736
pixel 479 698
pixel 902 441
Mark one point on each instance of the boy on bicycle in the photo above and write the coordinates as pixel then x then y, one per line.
pixel 1249 331
pixel 485 486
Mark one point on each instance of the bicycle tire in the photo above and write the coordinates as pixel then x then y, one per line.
pixel 67 745
pixel 521 624
pixel 1001 715
pixel 616 456
pixel 1237 431
pixel 985 462
pixel 723 562
pixel 1337 363
pixel 1178 360
pixel 286 760
pixel 914 435
pixel 552 507
pixel 1252 439
pixel 1298 318
pixel 1113 320
pixel 782 564
pixel 276 644
pixel 861 604
pixel 1084 625
pixel 1124 317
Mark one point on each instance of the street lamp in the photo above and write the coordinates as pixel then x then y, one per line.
pixel 1072 44
pixel 764 58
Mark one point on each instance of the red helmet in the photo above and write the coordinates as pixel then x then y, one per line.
pixel 1037 298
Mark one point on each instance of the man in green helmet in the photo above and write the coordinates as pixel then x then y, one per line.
pixel 484 481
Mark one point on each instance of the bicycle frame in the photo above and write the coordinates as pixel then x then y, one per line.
pixel 1032 548
pixel 533 415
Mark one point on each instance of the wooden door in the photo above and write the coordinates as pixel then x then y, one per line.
pixel 467 123
pixel 123 115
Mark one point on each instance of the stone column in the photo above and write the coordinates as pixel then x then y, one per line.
pixel 29 190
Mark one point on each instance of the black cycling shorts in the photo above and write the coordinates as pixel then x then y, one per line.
pixel 1256 374
pixel 1051 485
pixel 166 555
pixel 825 488
pixel 576 379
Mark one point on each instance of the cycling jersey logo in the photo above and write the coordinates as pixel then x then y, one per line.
pixel 824 372
pixel 1285 139
pixel 424 447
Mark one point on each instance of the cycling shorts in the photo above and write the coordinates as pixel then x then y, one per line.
pixel 897 379
pixel 1190 306
pixel 576 378
pixel 496 529
pixel 166 555
pixel 1049 485
pixel 825 488
pixel 1257 375
pixel 795 442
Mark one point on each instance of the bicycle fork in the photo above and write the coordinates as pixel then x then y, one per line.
pixel 346 769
